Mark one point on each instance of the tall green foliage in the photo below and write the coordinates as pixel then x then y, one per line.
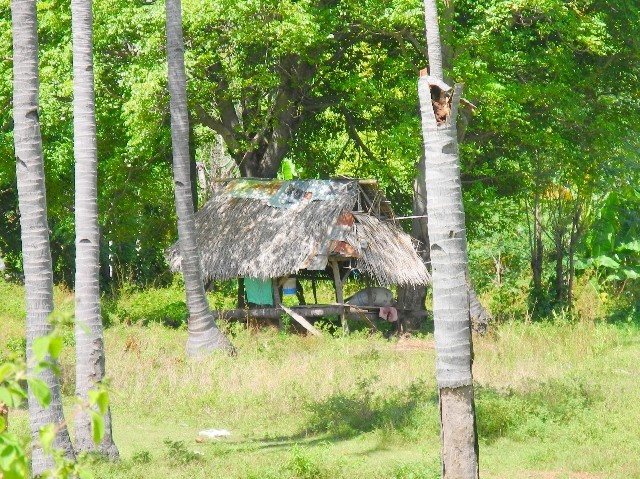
pixel 556 85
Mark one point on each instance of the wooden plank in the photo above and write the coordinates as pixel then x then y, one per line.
pixel 275 313
pixel 311 311
pixel 306 324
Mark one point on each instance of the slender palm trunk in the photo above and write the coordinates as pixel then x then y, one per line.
pixel 449 262
pixel 38 275
pixel 204 336
pixel 90 355
pixel 413 298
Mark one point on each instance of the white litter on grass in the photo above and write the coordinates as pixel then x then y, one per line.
pixel 214 433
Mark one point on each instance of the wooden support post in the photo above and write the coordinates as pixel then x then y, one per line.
pixel 315 290
pixel 241 294
pixel 276 298
pixel 339 293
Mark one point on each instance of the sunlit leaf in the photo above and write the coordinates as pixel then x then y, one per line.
pixel 606 261
pixel 41 391
pixel 40 347
pixel 47 434
pixel 631 273
pixel 97 426
pixel 55 346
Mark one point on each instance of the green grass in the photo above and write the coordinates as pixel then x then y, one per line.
pixel 554 400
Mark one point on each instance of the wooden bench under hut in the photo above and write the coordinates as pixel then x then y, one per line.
pixel 265 232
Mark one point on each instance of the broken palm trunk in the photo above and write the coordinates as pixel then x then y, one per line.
pixel 452 325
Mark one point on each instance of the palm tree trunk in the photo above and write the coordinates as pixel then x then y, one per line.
pixel 447 234
pixel 204 336
pixel 90 355
pixel 451 313
pixel 409 297
pixel 38 275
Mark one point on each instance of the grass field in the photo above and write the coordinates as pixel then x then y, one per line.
pixel 554 400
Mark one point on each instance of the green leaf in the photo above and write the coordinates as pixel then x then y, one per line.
pixel 41 391
pixel 11 396
pixel 5 396
pixel 582 264
pixel 633 246
pixel 5 370
pixel 103 402
pixel 47 434
pixel 606 261
pixel 97 426
pixel 55 346
pixel 630 272
pixel 100 399
pixel 84 474
pixel 41 347
pixel 42 365
pixel 3 423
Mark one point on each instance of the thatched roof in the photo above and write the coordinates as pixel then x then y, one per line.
pixel 270 228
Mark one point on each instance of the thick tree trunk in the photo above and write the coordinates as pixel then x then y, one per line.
pixel 90 355
pixel 413 297
pixel 38 275
pixel 259 153
pixel 204 335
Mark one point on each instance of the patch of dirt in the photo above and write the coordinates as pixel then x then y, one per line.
pixel 556 475
pixel 413 344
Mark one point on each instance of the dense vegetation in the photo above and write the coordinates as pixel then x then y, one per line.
pixel 550 156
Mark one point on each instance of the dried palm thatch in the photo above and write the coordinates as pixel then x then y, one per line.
pixel 271 228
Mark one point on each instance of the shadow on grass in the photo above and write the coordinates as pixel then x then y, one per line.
pixel 413 410
pixel 344 415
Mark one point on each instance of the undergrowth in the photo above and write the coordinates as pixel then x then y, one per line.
pixel 550 395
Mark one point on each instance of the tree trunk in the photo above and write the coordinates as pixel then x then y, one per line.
pixel 204 335
pixel 451 300
pixel 410 297
pixel 413 297
pixel 576 231
pixel 90 355
pixel 259 151
pixel 38 275
pixel 537 255
pixel 452 323
pixel 559 244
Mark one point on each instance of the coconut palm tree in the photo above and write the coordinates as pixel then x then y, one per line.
pixel 452 326
pixel 204 336
pixel 90 356
pixel 36 254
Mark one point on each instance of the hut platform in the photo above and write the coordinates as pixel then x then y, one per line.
pixel 315 311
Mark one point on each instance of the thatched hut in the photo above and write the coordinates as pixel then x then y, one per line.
pixel 273 229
